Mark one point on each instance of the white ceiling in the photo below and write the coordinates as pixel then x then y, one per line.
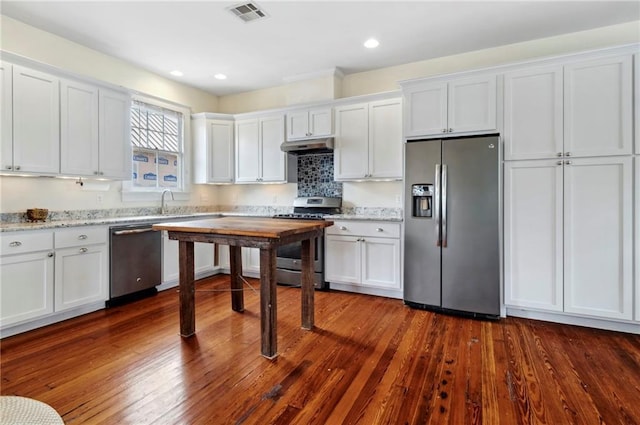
pixel 202 38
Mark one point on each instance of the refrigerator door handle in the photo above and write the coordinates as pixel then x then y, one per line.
pixel 436 206
pixel 443 218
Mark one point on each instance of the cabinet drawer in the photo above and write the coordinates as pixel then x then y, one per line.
pixel 80 236
pixel 379 229
pixel 21 242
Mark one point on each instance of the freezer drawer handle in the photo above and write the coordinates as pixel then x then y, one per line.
pixel 436 206
pixel 133 231
pixel 444 206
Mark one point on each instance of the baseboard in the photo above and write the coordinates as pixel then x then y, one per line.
pixel 567 319
pixel 358 289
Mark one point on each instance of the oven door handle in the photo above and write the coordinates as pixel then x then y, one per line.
pixel 133 231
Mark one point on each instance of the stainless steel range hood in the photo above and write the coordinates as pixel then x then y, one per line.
pixel 300 147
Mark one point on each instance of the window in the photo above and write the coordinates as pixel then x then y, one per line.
pixel 157 136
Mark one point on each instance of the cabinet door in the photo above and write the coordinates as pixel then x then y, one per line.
pixel 342 259
pixel 247 151
pixel 533 234
pixel 425 110
pixel 251 260
pixel 533 113
pixel 637 238
pixel 351 142
pixel 6 116
pixel 320 122
pixel 115 135
pixel 274 161
pixel 385 139
pixel 597 236
pixel 297 125
pixel 26 287
pixel 78 128
pixel 472 104
pixel 81 276
pixel 36 121
pixel 598 97
pixel 381 262
pixel 220 152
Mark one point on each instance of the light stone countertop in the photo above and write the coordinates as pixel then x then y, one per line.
pixel 111 221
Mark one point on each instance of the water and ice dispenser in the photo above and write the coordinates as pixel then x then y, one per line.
pixel 422 195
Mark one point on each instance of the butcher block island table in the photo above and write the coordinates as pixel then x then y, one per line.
pixel 264 233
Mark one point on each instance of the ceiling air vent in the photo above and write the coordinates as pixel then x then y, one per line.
pixel 248 11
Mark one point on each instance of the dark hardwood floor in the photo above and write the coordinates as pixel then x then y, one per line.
pixel 369 360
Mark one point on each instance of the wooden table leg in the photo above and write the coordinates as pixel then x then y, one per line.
pixel 235 263
pixel 187 289
pixel 268 302
pixel 307 284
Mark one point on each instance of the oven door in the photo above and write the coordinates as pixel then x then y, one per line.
pixel 290 256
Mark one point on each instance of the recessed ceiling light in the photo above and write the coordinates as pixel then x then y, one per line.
pixel 176 73
pixel 220 77
pixel 371 43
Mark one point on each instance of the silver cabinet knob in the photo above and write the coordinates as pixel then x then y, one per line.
pixel 9 167
pixel 451 130
pixel 559 163
pixel 95 173
pixel 50 254
pixel 17 167
pixel 567 154
pixel 444 130
pixel 83 250
pixel 559 154
pixel 343 228
pixel 379 229
pixel 82 237
pixel 567 162
pixel 15 244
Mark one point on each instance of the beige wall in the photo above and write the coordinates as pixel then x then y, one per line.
pixel 386 79
pixel 41 46
pixel 19 193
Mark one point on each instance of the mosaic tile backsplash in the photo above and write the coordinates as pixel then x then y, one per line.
pixel 315 176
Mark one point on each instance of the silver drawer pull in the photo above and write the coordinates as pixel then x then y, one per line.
pixel 82 237
pixel 379 229
pixel 133 231
pixel 83 250
pixel 15 243
pixel 343 228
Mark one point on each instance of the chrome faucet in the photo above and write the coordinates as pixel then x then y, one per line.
pixel 163 206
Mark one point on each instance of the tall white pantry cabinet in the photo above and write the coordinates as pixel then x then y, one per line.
pixel 569 187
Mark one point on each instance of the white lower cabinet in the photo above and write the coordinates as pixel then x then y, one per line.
pixel 204 260
pixel 81 267
pixel 568 236
pixel 363 254
pixel 26 286
pixel 250 260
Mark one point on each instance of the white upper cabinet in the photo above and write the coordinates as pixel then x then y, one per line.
pixel 115 135
pixel 95 131
pixel 598 107
pixel 258 155
pixel 369 140
pixel 78 128
pixel 36 123
pixel 6 111
pixel 533 113
pixel 309 123
pixel 447 107
pixel 213 150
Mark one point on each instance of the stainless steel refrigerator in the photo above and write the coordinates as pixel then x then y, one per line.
pixel 452 216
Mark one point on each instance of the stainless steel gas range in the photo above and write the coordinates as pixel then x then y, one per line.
pixel 288 262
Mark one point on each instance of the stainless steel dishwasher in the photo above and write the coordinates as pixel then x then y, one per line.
pixel 136 262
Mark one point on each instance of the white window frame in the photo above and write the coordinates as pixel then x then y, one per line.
pixel 131 193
